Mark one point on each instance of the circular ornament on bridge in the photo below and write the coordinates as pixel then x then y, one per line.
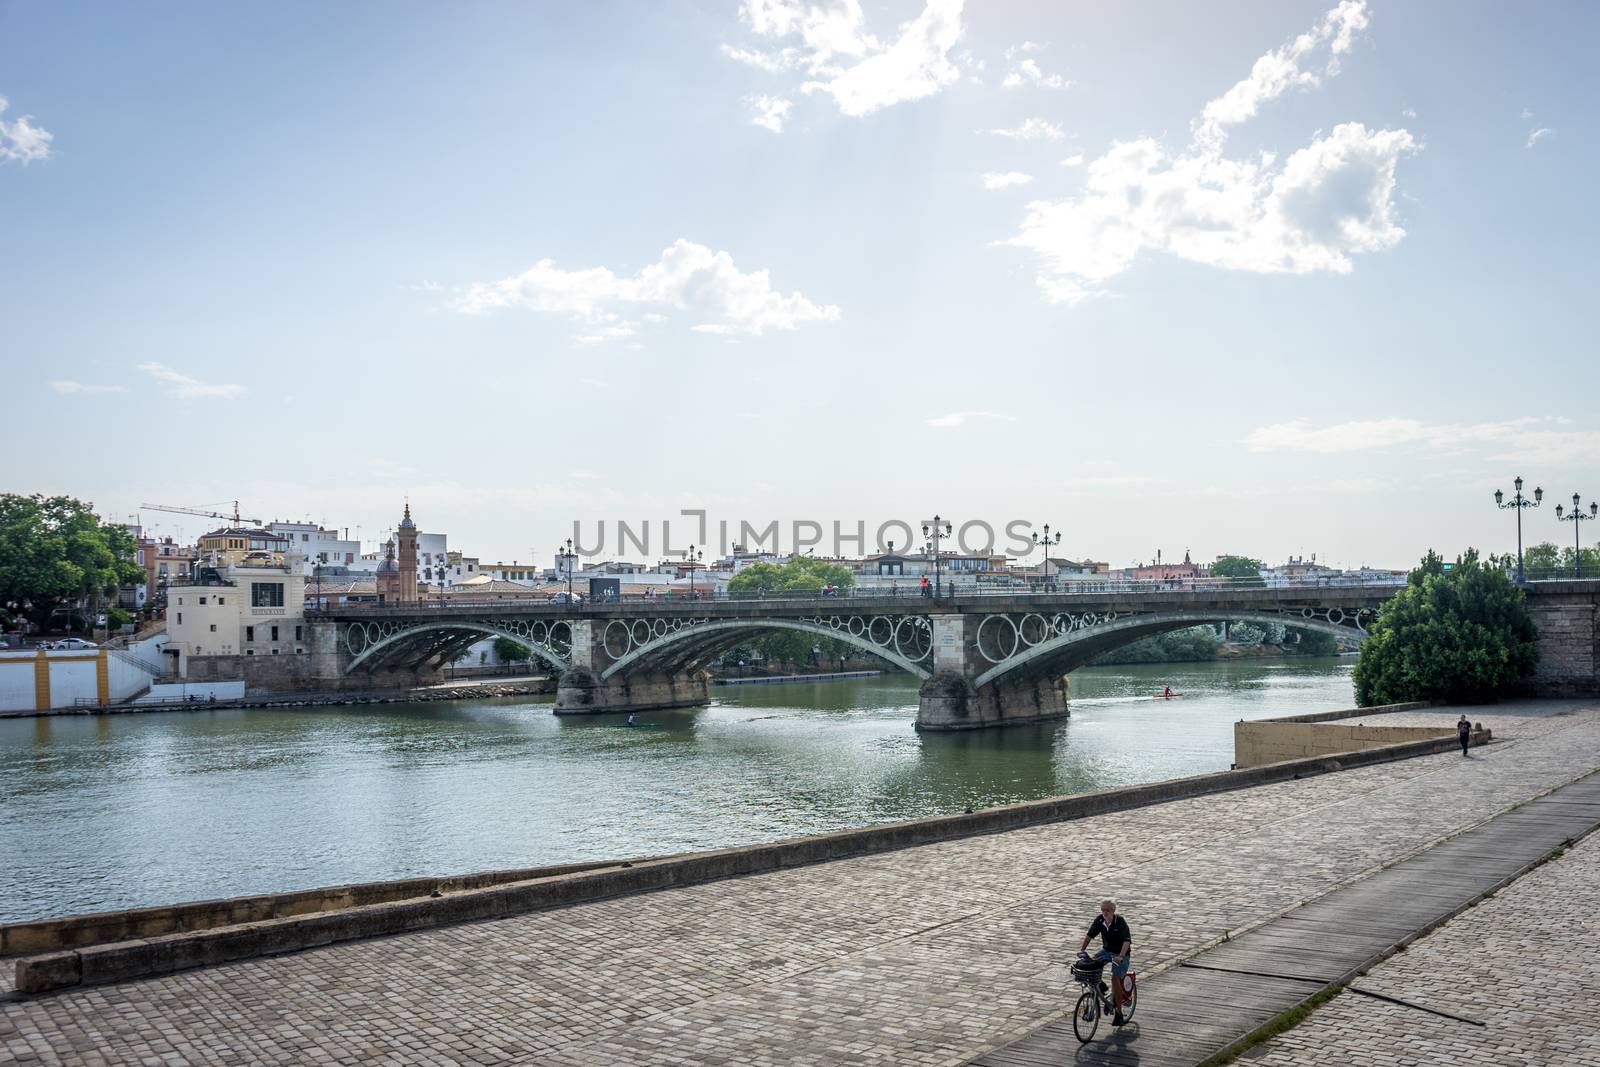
pixel 1062 623
pixel 658 628
pixel 616 639
pixel 1335 615
pixel 1001 643
pixel 355 639
pixel 540 632
pixel 1308 613
pixel 912 638
pixel 856 626
pixel 640 632
pixel 882 636
pixel 1033 629
pixel 560 635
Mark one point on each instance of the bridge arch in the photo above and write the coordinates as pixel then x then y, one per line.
pixel 1075 649
pixel 679 649
pixel 376 651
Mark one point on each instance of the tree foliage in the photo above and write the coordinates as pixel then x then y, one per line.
pixel 509 651
pixel 1312 643
pixel 1460 634
pixel 1543 561
pixel 54 552
pixel 1193 644
pixel 799 575
pixel 1238 567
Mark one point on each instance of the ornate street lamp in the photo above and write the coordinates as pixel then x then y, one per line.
pixel 567 557
pixel 1519 502
pixel 1046 541
pixel 936 528
pixel 693 558
pixel 1577 518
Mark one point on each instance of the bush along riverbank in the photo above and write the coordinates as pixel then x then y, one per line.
pixel 1200 644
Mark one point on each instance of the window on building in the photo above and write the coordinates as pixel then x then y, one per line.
pixel 297 633
pixel 274 652
pixel 274 633
pixel 213 627
pixel 220 600
pixel 249 651
pixel 180 614
pixel 202 600
pixel 266 594
pixel 249 633
pixel 180 600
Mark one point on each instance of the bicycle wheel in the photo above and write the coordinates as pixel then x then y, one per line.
pixel 1129 1002
pixel 1086 1016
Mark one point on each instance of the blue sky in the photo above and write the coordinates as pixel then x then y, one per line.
pixel 1284 278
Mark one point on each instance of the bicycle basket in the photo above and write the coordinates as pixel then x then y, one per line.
pixel 1087 970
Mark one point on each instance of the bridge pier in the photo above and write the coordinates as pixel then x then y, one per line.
pixel 582 691
pixel 950 702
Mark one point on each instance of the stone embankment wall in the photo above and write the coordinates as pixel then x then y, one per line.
pixel 1568 617
pixel 1296 737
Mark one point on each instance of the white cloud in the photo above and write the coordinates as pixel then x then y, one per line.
pixel 1280 70
pixel 1007 180
pixel 958 418
pixel 687 276
pixel 1408 112
pixel 70 387
pixel 186 388
pixel 1532 439
pixel 1538 135
pixel 1027 72
pixel 1527 114
pixel 1032 130
pixel 1075 160
pixel 769 112
pixel 20 140
pixel 1324 203
pixel 841 59
pixel 618 330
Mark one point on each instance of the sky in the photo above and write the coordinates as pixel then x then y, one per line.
pixel 1272 278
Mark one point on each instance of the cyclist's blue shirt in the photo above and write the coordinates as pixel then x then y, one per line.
pixel 1112 937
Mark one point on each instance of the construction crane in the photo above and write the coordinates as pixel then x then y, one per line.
pixel 234 518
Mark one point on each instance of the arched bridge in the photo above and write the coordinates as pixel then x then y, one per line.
pixel 982 659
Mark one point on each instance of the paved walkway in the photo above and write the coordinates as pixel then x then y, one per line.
pixel 1220 996
pixel 925 956
pixel 1525 964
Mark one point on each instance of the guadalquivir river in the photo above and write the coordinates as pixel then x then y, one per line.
pixel 127 810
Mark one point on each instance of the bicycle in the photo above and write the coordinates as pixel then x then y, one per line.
pixel 1095 1000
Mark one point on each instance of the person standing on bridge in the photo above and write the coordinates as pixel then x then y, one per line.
pixel 1116 947
pixel 1464 732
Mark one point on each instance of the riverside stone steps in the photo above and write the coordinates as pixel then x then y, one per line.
pixel 1216 998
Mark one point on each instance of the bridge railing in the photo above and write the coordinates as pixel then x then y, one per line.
pixel 1052 591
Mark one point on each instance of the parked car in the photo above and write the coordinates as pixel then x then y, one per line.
pixel 73 643
pixel 567 598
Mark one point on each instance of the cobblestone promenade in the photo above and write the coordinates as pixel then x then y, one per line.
pixel 922 956
pixel 1526 962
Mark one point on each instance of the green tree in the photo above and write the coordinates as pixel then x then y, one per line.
pixel 801 574
pixel 1193 644
pixel 1312 643
pixel 1243 569
pixel 509 651
pixel 56 554
pixel 1460 634
pixel 1545 561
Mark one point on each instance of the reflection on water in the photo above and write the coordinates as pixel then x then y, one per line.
pixel 118 811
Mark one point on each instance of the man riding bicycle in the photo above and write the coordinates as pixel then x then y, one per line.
pixel 1116 947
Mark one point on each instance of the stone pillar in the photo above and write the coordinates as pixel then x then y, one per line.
pixel 949 701
pixel 583 691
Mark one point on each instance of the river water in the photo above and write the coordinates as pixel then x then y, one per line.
pixel 127 810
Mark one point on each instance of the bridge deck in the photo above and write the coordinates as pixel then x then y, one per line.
pixel 1217 997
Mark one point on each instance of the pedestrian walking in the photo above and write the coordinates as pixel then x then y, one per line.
pixel 1464 733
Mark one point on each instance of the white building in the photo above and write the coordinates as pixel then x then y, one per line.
pixel 318 545
pixel 237 609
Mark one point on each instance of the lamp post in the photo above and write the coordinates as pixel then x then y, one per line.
pixel 1045 542
pixel 567 558
pixel 693 558
pixel 936 528
pixel 1518 502
pixel 1577 518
